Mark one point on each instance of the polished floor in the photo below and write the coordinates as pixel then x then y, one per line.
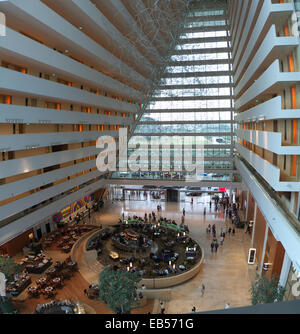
pixel 226 274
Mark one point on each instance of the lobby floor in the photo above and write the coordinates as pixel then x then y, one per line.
pixel 225 274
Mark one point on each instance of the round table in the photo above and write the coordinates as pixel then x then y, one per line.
pixel 71 264
pixel 51 271
pixel 42 280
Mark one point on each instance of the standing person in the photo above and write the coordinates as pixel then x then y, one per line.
pixel 212 246
pixel 227 306
pixel 229 230
pixel 194 309
pixel 214 229
pixel 209 228
pixel 192 200
pixel 221 240
pixel 233 231
pixel 162 307
pixel 210 204
pixel 216 246
pixel 204 212
pixel 183 211
pixel 203 290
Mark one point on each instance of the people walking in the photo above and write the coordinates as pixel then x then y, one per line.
pixel 202 290
pixel 162 307
pixel 233 231
pixel 212 246
pixel 216 246
pixel 221 240
pixel 227 306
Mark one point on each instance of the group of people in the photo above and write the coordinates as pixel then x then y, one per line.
pixel 212 229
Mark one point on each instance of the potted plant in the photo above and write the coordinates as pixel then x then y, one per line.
pixel 117 288
pixel 265 291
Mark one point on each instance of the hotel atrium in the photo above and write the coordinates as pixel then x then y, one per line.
pixel 180 115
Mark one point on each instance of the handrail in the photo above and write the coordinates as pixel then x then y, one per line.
pixel 273 194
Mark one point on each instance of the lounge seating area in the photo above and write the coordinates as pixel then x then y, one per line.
pixel 92 292
pixel 59 307
pixel 55 279
pixel 153 247
pixel 36 264
pixel 65 238
pixel 20 283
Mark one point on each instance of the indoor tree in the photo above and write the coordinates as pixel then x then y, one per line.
pixel 8 268
pixel 118 288
pixel 265 291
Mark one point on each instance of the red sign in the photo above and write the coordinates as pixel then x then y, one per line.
pixel 223 190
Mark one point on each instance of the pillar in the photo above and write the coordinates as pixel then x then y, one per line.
pixel 254 223
pixel 263 250
pixel 286 265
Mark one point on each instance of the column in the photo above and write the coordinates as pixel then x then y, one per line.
pixel 247 209
pixel 264 250
pixel 285 270
pixel 254 223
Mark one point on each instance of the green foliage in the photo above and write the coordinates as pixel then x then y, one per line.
pixel 8 267
pixel 6 306
pixel 118 289
pixel 241 224
pixel 265 291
